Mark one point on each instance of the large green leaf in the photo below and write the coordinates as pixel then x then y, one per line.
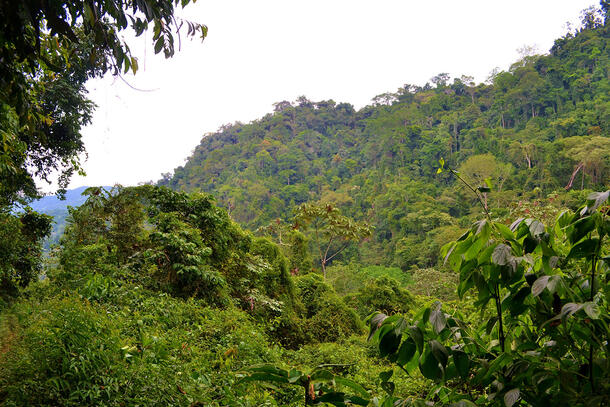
pixel 389 341
pixel 418 337
pixel 462 363
pixel 502 255
pixel 586 248
pixel 429 367
pixel 407 350
pixel 539 285
pixel 352 385
pixel 437 317
pixel 439 352
pixel 581 228
pixel 592 310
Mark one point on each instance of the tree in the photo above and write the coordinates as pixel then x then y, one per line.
pixel 332 231
pixel 48 50
pixel 481 167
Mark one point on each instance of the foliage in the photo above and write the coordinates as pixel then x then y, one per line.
pixel 352 277
pixel 528 129
pixel 382 294
pixel 319 386
pixel 434 283
pixel 61 348
pixel 20 249
pixel 332 231
pixel 328 317
pixel 47 52
pixel 174 241
pixel 545 344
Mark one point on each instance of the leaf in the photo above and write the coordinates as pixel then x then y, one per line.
pixel 581 227
pixel 352 385
pixel 490 324
pixel 264 377
pixel 406 352
pixel 511 397
pixel 388 387
pixel 504 231
pixel 387 375
pixel 592 310
pixel 539 285
pixel 569 309
pixel 322 375
pixel 536 228
pixel 437 317
pixel 389 342
pixel 159 45
pixel 439 352
pixel 375 322
pixel 462 363
pixel 583 249
pixel 430 367
pixel 134 65
pixel 502 255
pixel 516 224
pixel 596 199
pixel 418 337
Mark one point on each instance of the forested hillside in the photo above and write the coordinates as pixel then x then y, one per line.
pixel 540 126
pixel 466 226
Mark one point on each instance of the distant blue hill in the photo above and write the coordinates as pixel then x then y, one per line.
pixel 52 203
pixel 58 209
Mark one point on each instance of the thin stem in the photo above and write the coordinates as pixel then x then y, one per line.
pixel 474 191
pixel 500 322
pixel 592 295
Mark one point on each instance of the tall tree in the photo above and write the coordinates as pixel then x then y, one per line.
pixel 48 50
pixel 332 231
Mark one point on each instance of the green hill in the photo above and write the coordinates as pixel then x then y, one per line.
pixel 539 127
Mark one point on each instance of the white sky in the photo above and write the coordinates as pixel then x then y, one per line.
pixel 261 52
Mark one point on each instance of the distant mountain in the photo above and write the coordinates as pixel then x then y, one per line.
pixel 58 209
pixel 52 203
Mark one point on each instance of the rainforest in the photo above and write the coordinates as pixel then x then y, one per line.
pixel 445 245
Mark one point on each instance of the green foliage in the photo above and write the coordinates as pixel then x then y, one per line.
pixel 20 249
pixel 545 343
pixel 382 294
pixel 434 283
pixel 332 232
pixel 47 52
pixel 328 318
pixel 174 241
pixel 61 348
pixel 320 386
pixel 351 278
pixel 527 130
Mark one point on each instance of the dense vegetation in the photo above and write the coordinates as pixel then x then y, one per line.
pixel 539 127
pixel 458 221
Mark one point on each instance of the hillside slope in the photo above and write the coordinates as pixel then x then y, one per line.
pixel 541 126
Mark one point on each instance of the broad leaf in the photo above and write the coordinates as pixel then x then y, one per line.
pixel 502 255
pixel 540 285
pixel 406 352
pixel 592 310
pixel 584 249
pixel 437 317
pixel 511 397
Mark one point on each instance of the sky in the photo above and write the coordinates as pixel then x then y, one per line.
pixel 261 52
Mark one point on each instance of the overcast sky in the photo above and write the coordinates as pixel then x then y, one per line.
pixel 261 52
